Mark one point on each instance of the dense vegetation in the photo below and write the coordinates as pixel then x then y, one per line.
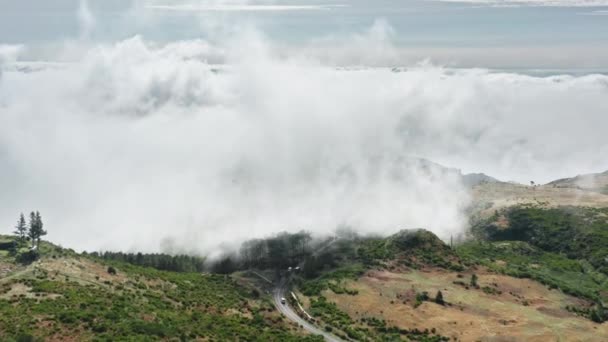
pixel 277 252
pixel 165 262
pixel 332 280
pixel 412 248
pixel 519 259
pixel 565 248
pixel 575 232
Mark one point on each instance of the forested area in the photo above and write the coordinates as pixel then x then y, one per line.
pixel 279 251
pixel 166 262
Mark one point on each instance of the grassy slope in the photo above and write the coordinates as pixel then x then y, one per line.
pixel 497 196
pixel 70 297
pixel 520 259
pixel 563 247
pixel 502 307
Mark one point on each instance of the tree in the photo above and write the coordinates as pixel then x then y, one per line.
pixel 598 314
pixel 21 229
pixel 311 267
pixel 439 298
pixel 278 251
pixel 225 266
pixel 474 280
pixel 32 229
pixel 36 230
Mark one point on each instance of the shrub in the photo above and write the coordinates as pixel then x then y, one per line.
pixel 421 297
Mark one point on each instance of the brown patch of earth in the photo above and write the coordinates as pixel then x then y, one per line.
pixel 5 269
pixel 553 312
pixel 502 222
pixel 82 271
pixel 472 314
pixel 21 290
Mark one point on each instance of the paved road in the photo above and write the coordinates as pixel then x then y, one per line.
pixel 281 292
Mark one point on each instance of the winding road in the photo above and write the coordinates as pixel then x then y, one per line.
pixel 281 292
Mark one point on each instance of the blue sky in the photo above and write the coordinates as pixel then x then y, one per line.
pixel 534 34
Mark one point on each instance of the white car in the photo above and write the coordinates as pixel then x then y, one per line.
pixel 282 300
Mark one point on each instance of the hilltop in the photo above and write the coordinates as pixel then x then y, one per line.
pixel 491 196
pixel 596 182
pixel 413 286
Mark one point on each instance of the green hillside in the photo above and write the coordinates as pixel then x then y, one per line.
pixel 58 294
pixel 66 296
pixel 488 278
pixel 575 232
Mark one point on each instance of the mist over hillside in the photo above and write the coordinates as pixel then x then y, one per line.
pixel 303 170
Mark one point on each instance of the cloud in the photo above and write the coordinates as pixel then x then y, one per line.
pixel 240 7
pixel 535 3
pixel 602 12
pixel 8 55
pixel 210 143
pixel 86 19
pixel 137 142
pixel 372 47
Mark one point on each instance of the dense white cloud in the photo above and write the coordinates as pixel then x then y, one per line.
pixel 206 143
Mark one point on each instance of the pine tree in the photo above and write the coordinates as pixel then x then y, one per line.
pixel 32 232
pixel 21 229
pixel 439 298
pixel 40 225
pixel 36 230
